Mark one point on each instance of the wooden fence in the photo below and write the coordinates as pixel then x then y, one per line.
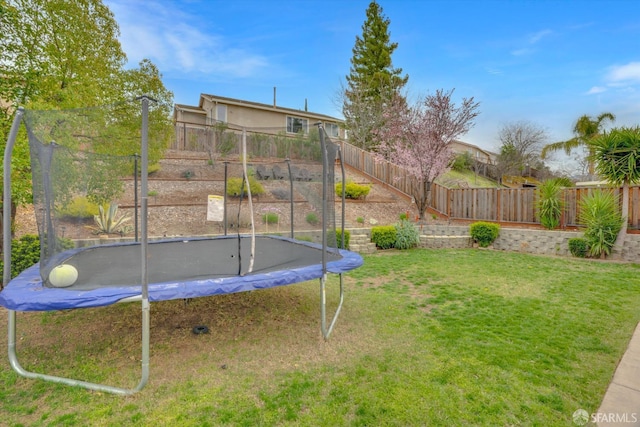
pixel 515 205
pixel 384 171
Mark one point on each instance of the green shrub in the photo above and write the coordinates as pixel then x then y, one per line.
pixel 384 236
pixel 235 187
pixel 407 236
pixel 25 252
pixel 462 162
pixel 270 218
pixel 484 233
pixel 312 218
pixel 404 216
pixel 347 237
pixel 549 203
pixel 578 247
pixel 360 220
pixel 151 169
pixel 600 214
pixel 353 190
pixel 80 207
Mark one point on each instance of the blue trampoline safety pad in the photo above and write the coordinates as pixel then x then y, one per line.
pixel 278 261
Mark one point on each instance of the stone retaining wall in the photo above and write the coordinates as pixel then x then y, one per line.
pixel 542 242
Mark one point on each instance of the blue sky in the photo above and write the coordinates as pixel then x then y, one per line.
pixel 546 62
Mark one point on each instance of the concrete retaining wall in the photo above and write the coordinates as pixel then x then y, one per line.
pixel 519 240
pixel 542 242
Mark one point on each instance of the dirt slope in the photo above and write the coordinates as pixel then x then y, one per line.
pixel 179 192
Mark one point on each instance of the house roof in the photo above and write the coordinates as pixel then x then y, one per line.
pixel 260 106
pixel 190 108
pixel 488 153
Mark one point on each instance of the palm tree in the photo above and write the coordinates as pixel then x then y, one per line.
pixel 617 157
pixel 585 129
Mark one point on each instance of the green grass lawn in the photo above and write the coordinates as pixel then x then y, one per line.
pixel 453 178
pixel 425 338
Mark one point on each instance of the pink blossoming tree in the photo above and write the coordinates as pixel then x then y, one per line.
pixel 417 138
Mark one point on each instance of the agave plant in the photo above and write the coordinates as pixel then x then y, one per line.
pixel 600 213
pixel 108 221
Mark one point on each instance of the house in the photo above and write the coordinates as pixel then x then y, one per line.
pixel 237 114
pixel 477 153
pixel 196 122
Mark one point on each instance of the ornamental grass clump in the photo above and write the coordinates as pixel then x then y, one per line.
pixel 270 218
pixel 312 218
pixel 407 236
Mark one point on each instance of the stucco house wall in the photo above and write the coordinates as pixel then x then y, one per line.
pixel 238 113
pixel 484 156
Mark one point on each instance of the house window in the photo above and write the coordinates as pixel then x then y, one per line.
pixel 296 124
pixel 221 113
pixel 332 130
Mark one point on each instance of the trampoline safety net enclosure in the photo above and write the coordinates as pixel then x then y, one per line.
pixel 86 159
pixel 86 162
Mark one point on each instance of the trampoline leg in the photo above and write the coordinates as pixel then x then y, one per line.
pixel 15 364
pixel 326 331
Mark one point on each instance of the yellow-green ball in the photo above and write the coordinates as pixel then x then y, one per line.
pixel 63 276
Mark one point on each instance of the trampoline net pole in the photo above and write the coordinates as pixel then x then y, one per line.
pixel 291 217
pixel 44 187
pixel 144 246
pixel 329 153
pixel 323 146
pixel 246 178
pixel 6 198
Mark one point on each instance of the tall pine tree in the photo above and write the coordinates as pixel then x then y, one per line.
pixel 372 81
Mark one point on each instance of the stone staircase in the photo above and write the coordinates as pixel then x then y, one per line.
pixel 347 223
pixel 360 241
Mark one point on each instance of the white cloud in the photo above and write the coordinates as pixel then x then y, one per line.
pixel 175 43
pixel 530 41
pixel 535 38
pixel 627 73
pixel 494 71
pixel 596 89
pixel 521 52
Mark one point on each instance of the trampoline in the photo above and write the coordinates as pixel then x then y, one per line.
pixel 178 268
pixel 77 159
